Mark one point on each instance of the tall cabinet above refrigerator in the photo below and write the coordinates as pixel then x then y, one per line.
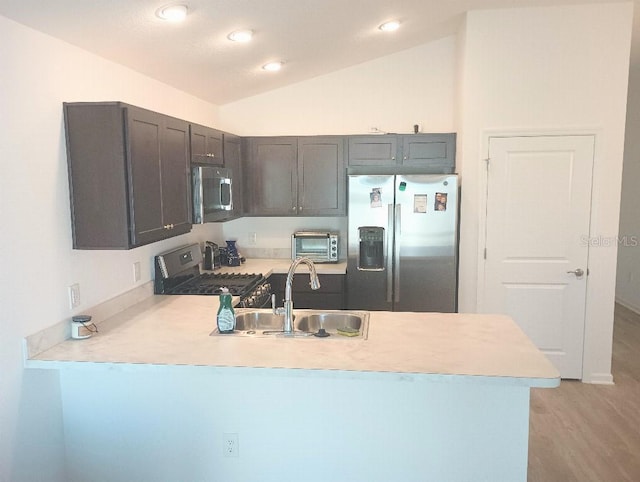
pixel 403 242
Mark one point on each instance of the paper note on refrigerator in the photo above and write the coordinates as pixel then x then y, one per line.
pixel 420 203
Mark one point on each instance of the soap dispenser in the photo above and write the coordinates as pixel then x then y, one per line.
pixel 226 316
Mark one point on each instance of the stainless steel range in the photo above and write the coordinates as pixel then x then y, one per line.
pixel 177 272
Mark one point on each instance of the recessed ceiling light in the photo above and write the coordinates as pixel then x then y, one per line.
pixel 272 66
pixel 390 26
pixel 173 13
pixel 240 36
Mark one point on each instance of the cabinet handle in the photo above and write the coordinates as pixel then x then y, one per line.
pixel 293 208
pixel 300 209
pixel 405 158
pixel 210 154
pixel 393 158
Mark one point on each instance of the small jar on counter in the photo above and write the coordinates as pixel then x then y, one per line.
pixel 82 327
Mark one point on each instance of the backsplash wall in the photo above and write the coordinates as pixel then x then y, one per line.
pixel 273 235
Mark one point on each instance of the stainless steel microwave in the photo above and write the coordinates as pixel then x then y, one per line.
pixel 318 246
pixel 212 194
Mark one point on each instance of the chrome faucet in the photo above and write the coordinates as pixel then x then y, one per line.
pixel 288 302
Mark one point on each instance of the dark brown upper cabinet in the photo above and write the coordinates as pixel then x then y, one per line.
pixel 321 176
pixel 129 175
pixel 206 145
pixel 295 176
pixel 432 153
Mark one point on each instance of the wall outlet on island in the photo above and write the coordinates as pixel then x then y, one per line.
pixel 230 444
pixel 74 296
pixel 253 239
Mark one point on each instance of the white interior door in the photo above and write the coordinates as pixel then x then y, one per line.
pixel 537 224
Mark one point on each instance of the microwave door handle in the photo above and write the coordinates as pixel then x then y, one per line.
pixel 198 201
pixel 398 234
pixel 230 193
pixel 389 253
pixel 225 181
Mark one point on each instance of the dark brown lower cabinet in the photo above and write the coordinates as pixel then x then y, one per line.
pixel 330 296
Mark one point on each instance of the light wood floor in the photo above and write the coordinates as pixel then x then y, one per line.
pixel 581 432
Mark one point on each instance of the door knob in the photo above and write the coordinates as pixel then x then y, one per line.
pixel 578 272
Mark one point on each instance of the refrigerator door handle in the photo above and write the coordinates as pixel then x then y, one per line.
pixel 389 254
pixel 396 257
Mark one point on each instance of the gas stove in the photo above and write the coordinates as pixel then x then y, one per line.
pixel 177 272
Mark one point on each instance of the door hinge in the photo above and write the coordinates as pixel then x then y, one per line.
pixel 487 160
pixel 485 253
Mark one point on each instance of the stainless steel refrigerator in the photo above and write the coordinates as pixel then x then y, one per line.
pixel 403 242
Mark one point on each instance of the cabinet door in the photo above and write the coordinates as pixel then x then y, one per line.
pixel 374 150
pixel 206 145
pixel 437 152
pixel 160 204
pixel 321 176
pixel 330 296
pixel 233 161
pixel 270 177
pixel 145 204
pixel 175 176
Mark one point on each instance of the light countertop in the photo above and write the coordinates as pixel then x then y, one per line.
pixel 174 331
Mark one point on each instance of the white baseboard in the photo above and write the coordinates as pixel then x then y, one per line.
pixel 628 305
pixel 599 379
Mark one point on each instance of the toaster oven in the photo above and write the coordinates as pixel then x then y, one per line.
pixel 318 246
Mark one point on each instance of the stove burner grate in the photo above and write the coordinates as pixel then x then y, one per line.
pixel 238 284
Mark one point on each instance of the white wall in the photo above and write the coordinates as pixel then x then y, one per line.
pixel 550 69
pixel 292 425
pixel 392 93
pixel 274 234
pixel 628 279
pixel 38 264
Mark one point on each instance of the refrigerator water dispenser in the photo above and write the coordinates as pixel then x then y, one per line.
pixel 371 254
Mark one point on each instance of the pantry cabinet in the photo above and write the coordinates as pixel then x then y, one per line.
pixel 295 176
pixel 431 153
pixel 129 175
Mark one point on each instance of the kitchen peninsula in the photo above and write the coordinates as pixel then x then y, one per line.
pixel 427 396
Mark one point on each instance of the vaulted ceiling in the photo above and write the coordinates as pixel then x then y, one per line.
pixel 311 37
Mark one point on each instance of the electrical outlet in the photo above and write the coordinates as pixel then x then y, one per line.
pixel 230 446
pixel 136 271
pixel 253 238
pixel 74 295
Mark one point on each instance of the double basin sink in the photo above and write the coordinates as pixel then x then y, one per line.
pixel 307 323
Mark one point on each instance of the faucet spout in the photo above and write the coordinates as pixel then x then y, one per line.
pixel 288 301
